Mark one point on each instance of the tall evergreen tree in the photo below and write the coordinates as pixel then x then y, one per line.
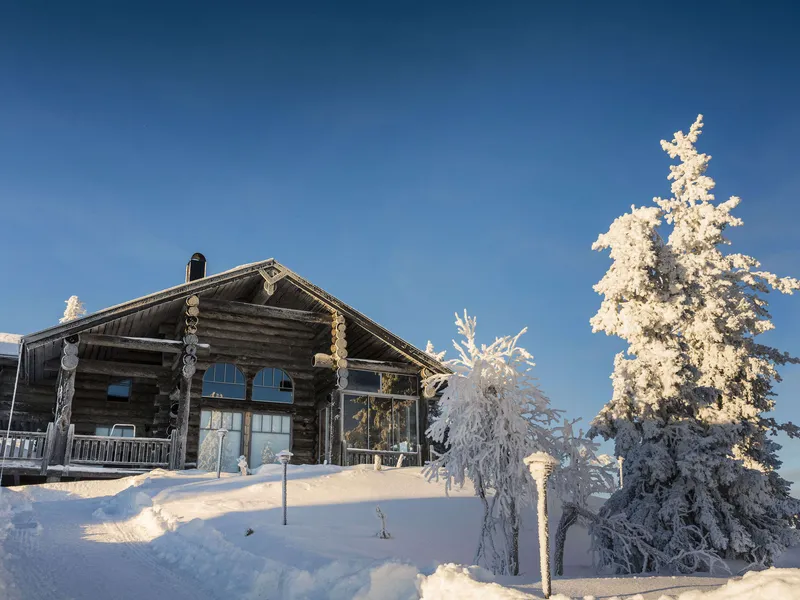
pixel 692 392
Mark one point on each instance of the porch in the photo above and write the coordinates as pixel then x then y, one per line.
pixel 36 454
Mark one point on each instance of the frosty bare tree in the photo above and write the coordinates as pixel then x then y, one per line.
pixel 583 471
pixel 74 310
pixel 691 392
pixel 492 416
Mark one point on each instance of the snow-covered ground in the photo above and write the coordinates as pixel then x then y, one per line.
pixel 184 535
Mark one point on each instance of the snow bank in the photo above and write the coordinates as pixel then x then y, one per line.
pixel 473 583
pixel 466 583
pixel 772 584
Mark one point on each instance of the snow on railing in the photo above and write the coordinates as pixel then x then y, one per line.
pixel 117 451
pixel 359 456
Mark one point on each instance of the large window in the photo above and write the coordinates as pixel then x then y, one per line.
pixel 375 423
pixel 224 380
pixel 380 411
pixel 210 421
pixel 270 434
pixel 273 385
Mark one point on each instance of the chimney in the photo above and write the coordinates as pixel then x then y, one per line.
pixel 196 267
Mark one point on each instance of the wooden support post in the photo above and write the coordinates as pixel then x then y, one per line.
pixel 49 439
pixel 186 370
pixel 64 394
pixel 339 349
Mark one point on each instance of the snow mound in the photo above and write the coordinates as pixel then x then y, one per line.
pixel 466 583
pixel 129 501
pixel 772 584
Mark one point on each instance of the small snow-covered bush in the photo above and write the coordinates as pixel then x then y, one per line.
pixel 383 534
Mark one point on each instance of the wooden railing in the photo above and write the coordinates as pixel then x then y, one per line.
pixel 24 445
pixel 357 456
pixel 135 452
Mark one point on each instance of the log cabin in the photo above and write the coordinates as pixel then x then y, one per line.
pixel 257 351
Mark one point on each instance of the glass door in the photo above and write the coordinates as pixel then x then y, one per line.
pixel 269 435
pixel 210 422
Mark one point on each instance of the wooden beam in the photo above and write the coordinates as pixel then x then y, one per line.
pixel 133 343
pixel 120 369
pixel 326 361
pixel 269 312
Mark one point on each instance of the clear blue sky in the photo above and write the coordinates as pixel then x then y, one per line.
pixel 412 158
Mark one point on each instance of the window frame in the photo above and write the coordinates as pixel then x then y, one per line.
pixel 370 395
pixel 254 385
pixel 237 370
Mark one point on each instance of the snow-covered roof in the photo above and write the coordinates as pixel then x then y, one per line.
pixel 46 342
pixel 9 344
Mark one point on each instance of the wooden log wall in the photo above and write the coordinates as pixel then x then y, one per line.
pixel 91 407
pixel 34 406
pixel 252 343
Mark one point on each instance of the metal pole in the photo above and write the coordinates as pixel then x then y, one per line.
pixel 284 456
pixel 284 493
pixel 221 433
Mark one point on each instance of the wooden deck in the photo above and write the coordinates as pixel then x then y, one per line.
pixel 87 456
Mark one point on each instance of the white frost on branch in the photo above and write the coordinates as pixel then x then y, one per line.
pixel 492 415
pixel 691 392
pixel 74 310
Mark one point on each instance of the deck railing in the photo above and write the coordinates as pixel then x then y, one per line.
pixel 23 445
pixel 358 456
pixel 135 452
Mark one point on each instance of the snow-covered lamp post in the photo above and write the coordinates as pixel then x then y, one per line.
pixel 541 465
pixel 620 460
pixel 221 433
pixel 284 456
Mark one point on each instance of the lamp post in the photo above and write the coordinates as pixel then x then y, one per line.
pixel 620 460
pixel 541 466
pixel 284 456
pixel 221 434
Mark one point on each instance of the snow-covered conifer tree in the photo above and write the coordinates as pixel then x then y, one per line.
pixel 492 416
pixel 74 310
pixel 691 392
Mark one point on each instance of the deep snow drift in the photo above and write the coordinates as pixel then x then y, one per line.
pixel 185 535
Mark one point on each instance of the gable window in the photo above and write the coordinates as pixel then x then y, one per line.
pixel 273 385
pixel 224 380
pixel 119 391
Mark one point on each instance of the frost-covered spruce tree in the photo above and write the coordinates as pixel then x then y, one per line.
pixel 691 393
pixel 492 415
pixel 74 310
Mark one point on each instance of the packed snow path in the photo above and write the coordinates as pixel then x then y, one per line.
pixel 57 549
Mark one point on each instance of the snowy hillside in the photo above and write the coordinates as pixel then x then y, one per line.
pixel 184 535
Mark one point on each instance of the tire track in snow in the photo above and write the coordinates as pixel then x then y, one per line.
pixel 60 551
